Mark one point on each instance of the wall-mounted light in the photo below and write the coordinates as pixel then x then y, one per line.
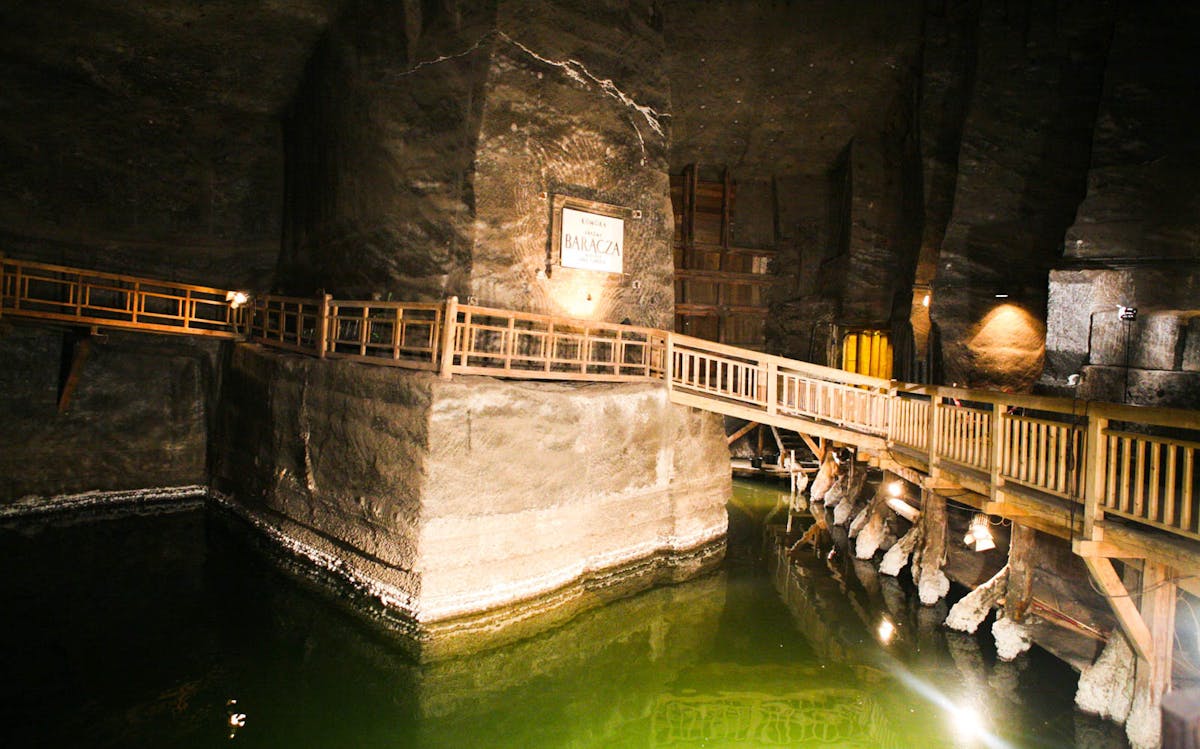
pixel 1128 314
pixel 236 298
pixel 1002 296
pixel 925 301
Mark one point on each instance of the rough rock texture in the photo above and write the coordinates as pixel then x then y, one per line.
pixel 1021 169
pixel 814 100
pixel 143 137
pixel 138 418
pixel 1106 688
pixel 456 500
pixel 380 146
pixel 427 142
pixel 1135 237
pixel 1011 638
pixel 576 103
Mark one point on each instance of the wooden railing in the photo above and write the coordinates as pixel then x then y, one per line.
pixel 1143 470
pixel 520 344
pixel 1134 463
pixel 777 386
pixel 82 297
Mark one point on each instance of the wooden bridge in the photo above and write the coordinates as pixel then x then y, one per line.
pixel 1117 481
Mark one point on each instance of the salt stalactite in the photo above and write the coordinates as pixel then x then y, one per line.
pixel 973 608
pixel 842 512
pixel 1012 638
pixel 897 556
pixel 873 532
pixel 1106 687
pixel 843 495
pixel 1143 727
pixel 826 476
pixel 932 583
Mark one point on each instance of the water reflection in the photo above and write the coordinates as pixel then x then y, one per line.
pixel 175 631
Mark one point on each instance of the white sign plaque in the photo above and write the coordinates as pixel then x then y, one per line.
pixel 591 241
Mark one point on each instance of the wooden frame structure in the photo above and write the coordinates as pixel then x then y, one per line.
pixel 56 293
pixel 1118 481
pixel 720 288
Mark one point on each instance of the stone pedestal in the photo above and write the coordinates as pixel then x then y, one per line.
pixel 477 509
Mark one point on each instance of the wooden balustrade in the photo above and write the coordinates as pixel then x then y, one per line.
pixel 291 323
pixel 501 343
pixel 402 334
pixel 83 297
pixel 1152 480
pixel 1135 463
pixel 1044 454
pixel 964 435
pixel 909 426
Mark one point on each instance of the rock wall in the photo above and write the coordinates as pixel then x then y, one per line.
pixel 1135 237
pixel 138 419
pixel 472 505
pixel 427 142
pixel 380 148
pixel 1021 168
pixel 144 139
pixel 576 103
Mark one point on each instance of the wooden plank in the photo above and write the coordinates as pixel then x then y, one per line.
pixel 1121 603
pixel 79 355
pixel 740 433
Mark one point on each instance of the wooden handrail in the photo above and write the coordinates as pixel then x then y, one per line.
pixel 1133 462
pixel 56 293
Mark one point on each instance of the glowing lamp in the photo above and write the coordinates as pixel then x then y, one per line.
pixel 979 536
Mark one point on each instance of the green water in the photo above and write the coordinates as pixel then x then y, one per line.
pixel 139 631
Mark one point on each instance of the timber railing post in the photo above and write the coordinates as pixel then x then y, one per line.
pixel 449 321
pixel 772 386
pixel 669 363
pixel 323 325
pixel 935 408
pixel 3 285
pixel 1094 463
pixel 999 410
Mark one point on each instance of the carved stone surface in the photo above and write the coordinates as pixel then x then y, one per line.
pixel 468 503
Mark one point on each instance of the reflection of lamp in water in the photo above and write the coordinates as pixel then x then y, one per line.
pixel 979 535
pixel 886 630
pixel 968 722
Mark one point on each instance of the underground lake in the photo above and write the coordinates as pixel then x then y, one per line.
pixel 174 629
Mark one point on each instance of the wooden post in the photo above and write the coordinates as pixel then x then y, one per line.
pixel 449 322
pixel 1021 563
pixel 3 285
pixel 669 364
pixel 772 387
pixel 935 403
pixel 996 480
pixel 1095 459
pixel 323 325
pixel 1158 612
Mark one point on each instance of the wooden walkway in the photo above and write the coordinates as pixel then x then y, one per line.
pixel 1117 481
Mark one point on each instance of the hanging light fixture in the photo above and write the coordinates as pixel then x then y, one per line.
pixel 979 535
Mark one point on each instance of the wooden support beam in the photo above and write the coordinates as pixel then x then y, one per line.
pixel 817 450
pixel 80 349
pixel 1119 600
pixel 1022 561
pixel 1158 611
pixel 741 432
pixel 1104 550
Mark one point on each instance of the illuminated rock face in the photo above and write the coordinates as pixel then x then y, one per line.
pixel 469 506
pixel 425 148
